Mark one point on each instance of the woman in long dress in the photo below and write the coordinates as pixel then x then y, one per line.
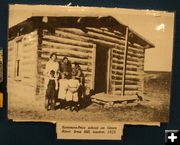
pixel 51 65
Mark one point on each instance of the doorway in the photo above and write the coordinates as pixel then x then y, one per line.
pixel 101 69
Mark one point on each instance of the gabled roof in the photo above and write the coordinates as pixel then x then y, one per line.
pixel 77 22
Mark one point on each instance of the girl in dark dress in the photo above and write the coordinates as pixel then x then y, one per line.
pixel 51 90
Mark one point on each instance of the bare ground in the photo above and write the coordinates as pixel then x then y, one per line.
pixel 155 107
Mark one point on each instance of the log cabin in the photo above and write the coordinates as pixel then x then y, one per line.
pixel 111 55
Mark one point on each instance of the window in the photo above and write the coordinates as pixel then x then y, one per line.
pixel 18 59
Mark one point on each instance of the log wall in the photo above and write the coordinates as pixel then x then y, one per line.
pixel 66 45
pixel 134 70
pixel 79 46
pixel 27 80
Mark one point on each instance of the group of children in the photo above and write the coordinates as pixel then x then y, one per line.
pixel 68 90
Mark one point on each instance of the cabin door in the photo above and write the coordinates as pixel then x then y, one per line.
pixel 101 69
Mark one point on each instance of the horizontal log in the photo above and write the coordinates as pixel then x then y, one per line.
pixel 116 59
pixel 131 77
pixel 65 46
pixel 70 35
pixel 131 50
pixel 42 64
pixel 128 66
pixel 116 81
pixel 133 73
pixel 134 48
pixel 86 38
pixel 137 46
pixel 127 87
pixel 119 74
pixel 72 59
pixel 118 51
pixel 129 58
pixel 116 72
pixel 105 32
pixel 135 54
pixel 131 92
pixel 119 82
pixel 119 47
pixel 93 35
pixel 60 39
pixel 117 92
pixel 105 37
pixel 114 31
pixel 127 82
pixel 117 67
pixel 129 62
pixel 119 70
pixel 66 52
pixel 117 77
pixel 131 87
pixel 125 93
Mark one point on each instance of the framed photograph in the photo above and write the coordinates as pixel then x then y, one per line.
pixel 85 64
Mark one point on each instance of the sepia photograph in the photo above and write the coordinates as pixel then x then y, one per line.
pixel 89 64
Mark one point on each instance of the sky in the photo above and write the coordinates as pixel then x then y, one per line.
pixel 155 26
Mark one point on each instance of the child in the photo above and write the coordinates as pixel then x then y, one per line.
pixel 72 93
pixel 63 86
pixel 51 89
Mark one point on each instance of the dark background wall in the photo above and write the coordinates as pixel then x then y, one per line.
pixel 12 133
